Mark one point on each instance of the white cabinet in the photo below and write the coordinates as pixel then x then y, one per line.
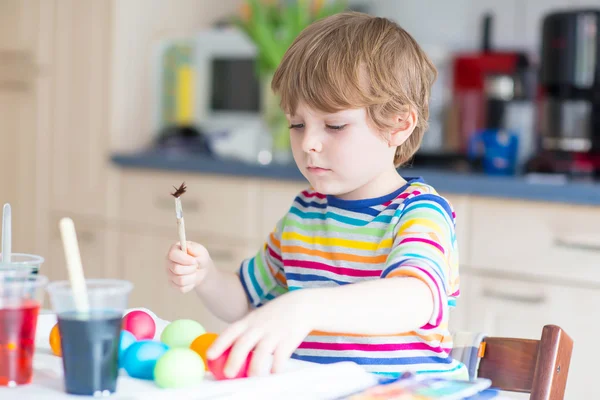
pixel 81 119
pixel 97 245
pixel 514 308
pixel 221 207
pixel 550 240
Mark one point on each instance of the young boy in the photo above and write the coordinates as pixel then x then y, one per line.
pixel 364 266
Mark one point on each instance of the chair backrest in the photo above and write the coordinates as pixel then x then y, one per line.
pixel 539 367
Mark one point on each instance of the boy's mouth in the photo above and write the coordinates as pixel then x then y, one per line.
pixel 317 170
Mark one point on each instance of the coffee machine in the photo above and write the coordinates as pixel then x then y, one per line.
pixel 569 89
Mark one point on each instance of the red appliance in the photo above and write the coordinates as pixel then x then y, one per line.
pixel 469 72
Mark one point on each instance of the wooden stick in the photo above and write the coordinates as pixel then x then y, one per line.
pixel 181 230
pixel 179 214
pixel 73 257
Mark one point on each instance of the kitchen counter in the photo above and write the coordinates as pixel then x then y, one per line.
pixel 467 183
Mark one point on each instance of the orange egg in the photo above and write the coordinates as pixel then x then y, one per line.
pixel 55 341
pixel 201 344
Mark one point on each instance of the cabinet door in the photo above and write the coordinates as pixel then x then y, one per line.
pixel 19 25
pixel 18 162
pixel 144 264
pixel 558 241
pixel 215 206
pixel 81 115
pixel 511 308
pixel 95 247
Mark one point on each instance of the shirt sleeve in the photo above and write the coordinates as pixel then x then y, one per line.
pixel 262 276
pixel 425 248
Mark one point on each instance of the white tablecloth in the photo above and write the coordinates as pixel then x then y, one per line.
pixel 300 381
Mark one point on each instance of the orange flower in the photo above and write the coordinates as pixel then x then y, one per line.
pixel 245 12
pixel 316 6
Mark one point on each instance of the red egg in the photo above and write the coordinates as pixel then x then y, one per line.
pixel 140 323
pixel 217 365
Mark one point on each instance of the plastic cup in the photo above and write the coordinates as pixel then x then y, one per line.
pixel 20 298
pixel 26 260
pixel 90 340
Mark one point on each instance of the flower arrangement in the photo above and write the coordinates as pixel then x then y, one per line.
pixel 272 26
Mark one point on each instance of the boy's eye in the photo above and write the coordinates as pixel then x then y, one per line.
pixel 296 126
pixel 336 127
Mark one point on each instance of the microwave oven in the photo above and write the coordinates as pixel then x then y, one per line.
pixel 219 93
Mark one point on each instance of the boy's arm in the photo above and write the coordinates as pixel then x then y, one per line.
pixel 230 296
pixel 420 271
pixel 382 307
pixel 222 293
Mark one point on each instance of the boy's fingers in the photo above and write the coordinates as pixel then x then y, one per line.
pixel 240 350
pixel 183 280
pixel 196 250
pixel 178 269
pixel 225 339
pixel 284 351
pixel 262 356
pixel 177 256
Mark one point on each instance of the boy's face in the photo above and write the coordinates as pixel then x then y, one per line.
pixel 341 154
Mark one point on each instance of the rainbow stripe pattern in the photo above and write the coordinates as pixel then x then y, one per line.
pixel 324 241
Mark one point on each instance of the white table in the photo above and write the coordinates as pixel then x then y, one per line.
pixel 301 380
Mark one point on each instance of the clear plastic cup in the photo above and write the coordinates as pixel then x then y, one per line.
pixel 26 260
pixel 20 297
pixel 90 340
pixel 16 270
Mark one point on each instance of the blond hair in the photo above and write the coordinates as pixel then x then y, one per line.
pixel 354 60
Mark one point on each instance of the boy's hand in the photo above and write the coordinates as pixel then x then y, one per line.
pixel 275 329
pixel 186 271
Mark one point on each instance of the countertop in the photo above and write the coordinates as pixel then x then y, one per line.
pixel 468 183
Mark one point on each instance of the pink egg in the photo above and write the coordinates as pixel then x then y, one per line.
pixel 140 323
pixel 217 366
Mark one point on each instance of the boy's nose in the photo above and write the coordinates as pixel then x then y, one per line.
pixel 312 142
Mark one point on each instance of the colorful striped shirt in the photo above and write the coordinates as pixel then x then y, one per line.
pixel 324 241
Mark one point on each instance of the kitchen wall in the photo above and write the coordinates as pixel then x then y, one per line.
pixel 456 24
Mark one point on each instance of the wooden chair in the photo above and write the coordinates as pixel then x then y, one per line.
pixel 539 367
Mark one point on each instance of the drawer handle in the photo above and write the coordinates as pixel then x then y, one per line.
pixel 575 244
pixel 168 203
pixel 512 297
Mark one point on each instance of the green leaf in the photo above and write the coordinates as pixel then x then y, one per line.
pixel 274 26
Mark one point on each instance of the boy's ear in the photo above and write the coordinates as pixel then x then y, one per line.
pixel 406 126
